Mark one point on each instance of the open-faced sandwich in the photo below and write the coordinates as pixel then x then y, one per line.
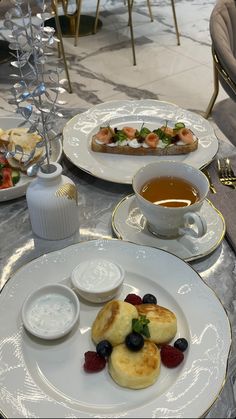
pixel 18 151
pixel 162 141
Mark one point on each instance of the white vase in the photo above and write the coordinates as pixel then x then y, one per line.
pixel 53 205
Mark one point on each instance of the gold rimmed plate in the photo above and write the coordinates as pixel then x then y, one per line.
pixel 39 376
pixel 129 224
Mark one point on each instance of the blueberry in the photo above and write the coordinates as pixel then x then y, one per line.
pixel 181 344
pixel 104 348
pixel 134 341
pixel 149 299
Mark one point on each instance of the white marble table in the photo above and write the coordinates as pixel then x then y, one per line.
pixel 97 199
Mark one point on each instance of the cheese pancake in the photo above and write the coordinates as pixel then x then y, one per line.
pixel 114 322
pixel 163 322
pixel 135 370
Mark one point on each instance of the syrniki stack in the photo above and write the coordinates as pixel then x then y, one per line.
pixel 163 322
pixel 135 370
pixel 114 322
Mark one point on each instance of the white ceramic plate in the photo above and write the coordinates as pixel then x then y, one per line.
pixel 129 224
pixel 7 122
pixel 79 130
pixel 39 379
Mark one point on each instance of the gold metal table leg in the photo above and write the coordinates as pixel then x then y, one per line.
pixel 77 24
pixel 175 20
pixel 59 34
pixel 96 18
pixel 131 30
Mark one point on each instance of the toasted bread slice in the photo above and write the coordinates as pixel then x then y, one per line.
pixel 4 139
pixel 114 322
pixel 27 141
pixel 163 322
pixel 172 149
pixel 135 370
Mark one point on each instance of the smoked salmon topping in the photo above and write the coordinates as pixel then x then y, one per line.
pixel 105 135
pixel 186 136
pixel 129 132
pixel 152 140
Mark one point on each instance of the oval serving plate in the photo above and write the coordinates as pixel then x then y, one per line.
pixel 78 132
pixel 38 377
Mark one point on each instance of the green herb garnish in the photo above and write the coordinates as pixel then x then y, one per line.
pixel 119 136
pixel 144 132
pixel 141 326
pixel 165 138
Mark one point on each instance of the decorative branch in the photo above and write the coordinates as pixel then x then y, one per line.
pixel 36 88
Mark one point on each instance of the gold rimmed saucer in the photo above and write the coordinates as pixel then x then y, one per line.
pixel 129 224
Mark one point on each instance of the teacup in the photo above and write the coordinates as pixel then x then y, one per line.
pixel 167 221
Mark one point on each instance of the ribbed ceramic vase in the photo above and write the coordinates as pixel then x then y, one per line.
pixel 52 203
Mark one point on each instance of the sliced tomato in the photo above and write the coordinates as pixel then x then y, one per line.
pixel 3 161
pixel 5 179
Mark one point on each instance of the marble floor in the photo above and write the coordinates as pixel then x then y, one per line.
pixel 101 66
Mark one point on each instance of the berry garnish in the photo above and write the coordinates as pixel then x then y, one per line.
pixel 104 348
pixel 181 344
pixel 171 357
pixel 133 299
pixel 149 299
pixel 134 341
pixel 93 362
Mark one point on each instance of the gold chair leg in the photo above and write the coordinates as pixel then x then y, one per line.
pixel 58 28
pixel 131 5
pixel 175 20
pixel 131 30
pixel 96 18
pixel 150 10
pixel 77 24
pixel 215 93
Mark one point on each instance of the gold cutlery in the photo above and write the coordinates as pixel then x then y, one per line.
pixel 212 187
pixel 226 174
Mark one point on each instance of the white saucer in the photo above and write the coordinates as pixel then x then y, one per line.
pixel 129 224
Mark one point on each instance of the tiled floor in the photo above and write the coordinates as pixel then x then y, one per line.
pixel 101 66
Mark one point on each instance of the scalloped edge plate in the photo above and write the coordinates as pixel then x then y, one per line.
pixel 37 378
pixel 77 135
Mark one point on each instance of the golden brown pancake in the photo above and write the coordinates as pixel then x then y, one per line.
pixel 135 370
pixel 163 322
pixel 114 322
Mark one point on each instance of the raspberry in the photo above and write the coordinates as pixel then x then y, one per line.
pixel 170 356
pixel 93 362
pixel 133 299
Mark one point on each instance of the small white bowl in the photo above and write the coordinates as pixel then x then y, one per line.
pixel 51 311
pixel 97 280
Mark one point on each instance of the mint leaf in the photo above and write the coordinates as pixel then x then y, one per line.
pixel 141 326
pixel 137 326
pixel 146 331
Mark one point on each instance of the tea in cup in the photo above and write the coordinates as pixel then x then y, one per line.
pixel 170 195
